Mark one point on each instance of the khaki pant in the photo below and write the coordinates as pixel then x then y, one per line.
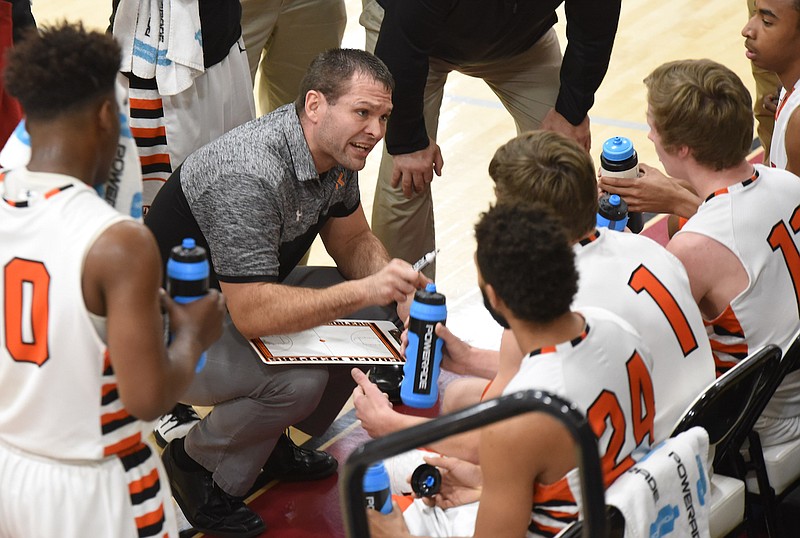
pixel 282 37
pixel 527 86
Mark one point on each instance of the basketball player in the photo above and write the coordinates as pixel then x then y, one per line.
pixel 740 248
pixel 590 357
pixel 630 275
pixel 82 359
pixel 772 39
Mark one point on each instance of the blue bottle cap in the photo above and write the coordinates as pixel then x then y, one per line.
pixel 614 199
pixel 189 243
pixel 430 287
pixel 618 148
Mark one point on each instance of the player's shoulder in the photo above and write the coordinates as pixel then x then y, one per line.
pixel 125 243
pixel 606 321
pixel 632 250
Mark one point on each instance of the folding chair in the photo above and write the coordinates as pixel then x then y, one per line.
pixel 727 409
pixel 592 491
pixel 615 523
pixel 774 470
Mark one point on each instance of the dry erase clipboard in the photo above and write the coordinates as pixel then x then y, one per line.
pixel 338 342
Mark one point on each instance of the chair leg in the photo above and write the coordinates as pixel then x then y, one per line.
pixel 766 492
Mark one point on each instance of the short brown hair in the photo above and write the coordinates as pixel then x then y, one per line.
pixel 330 73
pixel 702 105
pixel 547 167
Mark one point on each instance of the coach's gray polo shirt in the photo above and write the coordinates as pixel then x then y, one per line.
pixel 259 200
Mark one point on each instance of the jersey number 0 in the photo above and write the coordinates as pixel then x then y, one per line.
pixel 26 310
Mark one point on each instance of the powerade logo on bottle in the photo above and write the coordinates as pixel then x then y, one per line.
pixel 376 499
pixel 424 355
pixel 424 351
pixel 376 488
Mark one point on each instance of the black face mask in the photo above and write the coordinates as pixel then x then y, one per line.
pixel 503 322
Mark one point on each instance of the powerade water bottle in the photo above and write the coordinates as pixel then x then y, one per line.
pixel 420 386
pixel 613 212
pixel 377 493
pixel 619 159
pixel 187 277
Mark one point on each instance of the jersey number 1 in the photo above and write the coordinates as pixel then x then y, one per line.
pixel 26 310
pixel 781 238
pixel 642 279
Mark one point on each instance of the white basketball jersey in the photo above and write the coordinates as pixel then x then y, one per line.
pixel 607 376
pixel 786 107
pixel 59 396
pixel 640 281
pixel 758 220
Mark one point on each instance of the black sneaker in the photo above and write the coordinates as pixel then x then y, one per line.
pixel 175 424
pixel 207 508
pixel 388 378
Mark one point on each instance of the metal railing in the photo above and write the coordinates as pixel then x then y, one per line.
pixel 592 490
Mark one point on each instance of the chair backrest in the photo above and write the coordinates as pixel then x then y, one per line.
pixel 729 407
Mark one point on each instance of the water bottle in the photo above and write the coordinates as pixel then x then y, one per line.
pixel 420 386
pixel 377 493
pixel 619 159
pixel 612 213
pixel 187 277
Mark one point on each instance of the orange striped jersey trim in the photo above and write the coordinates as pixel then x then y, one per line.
pixel 144 483
pixel 550 349
pixel 586 240
pixel 161 158
pixel 120 431
pixel 554 507
pixel 403 501
pixel 728 341
pixel 146 104
pixel 148 132
pixel 47 195
pixel 144 488
pixel 783 103
pixel 488 386
pixel 725 190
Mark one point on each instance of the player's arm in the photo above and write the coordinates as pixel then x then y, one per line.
pixel 792 144
pixel 515 454
pixel 121 280
pixel 716 275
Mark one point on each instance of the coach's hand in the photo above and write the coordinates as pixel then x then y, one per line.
pixel 416 169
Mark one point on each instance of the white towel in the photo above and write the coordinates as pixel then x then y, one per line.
pixel 161 39
pixel 402 466
pixel 667 493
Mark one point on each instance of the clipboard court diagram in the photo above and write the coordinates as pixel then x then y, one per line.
pixel 337 342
